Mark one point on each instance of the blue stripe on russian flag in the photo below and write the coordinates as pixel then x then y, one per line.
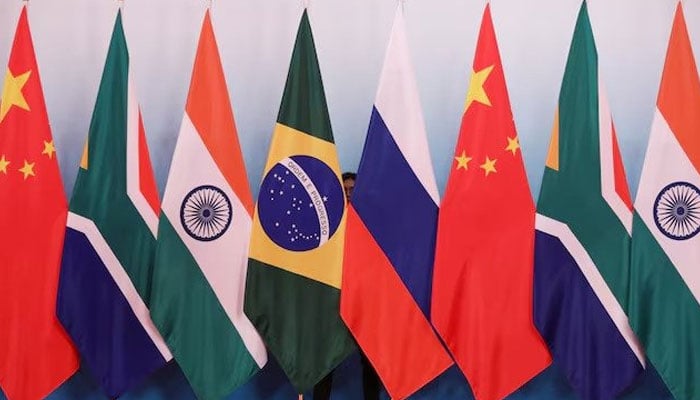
pixel 397 210
pixel 113 343
pixel 583 339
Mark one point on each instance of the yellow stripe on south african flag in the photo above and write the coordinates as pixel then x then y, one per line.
pixel 84 157
pixel 324 263
pixel 553 152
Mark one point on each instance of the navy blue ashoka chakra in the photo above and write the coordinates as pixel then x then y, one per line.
pixel 206 213
pixel 677 211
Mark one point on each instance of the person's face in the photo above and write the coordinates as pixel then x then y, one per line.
pixel 348 186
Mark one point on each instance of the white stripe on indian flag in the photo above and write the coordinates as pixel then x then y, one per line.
pixel 121 279
pixel 594 278
pixel 133 177
pixel 607 164
pixel 666 162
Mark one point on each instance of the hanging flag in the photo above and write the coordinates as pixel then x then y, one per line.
pixel 36 355
pixel 203 237
pixel 582 241
pixel 111 238
pixel 296 250
pixel 390 242
pixel 665 288
pixel 482 284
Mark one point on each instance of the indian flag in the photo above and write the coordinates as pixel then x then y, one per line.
pixel 665 276
pixel 203 237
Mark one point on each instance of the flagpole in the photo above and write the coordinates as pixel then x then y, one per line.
pixel 208 4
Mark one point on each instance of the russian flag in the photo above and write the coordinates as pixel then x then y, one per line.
pixel 390 240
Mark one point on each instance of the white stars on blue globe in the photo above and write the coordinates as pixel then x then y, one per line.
pixel 301 203
pixel 279 178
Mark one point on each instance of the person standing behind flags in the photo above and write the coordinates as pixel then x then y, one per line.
pixel 348 184
pixel 370 380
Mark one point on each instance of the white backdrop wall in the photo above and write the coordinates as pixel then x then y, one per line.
pixel 255 40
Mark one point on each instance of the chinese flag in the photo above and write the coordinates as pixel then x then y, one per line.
pixel 482 283
pixel 35 353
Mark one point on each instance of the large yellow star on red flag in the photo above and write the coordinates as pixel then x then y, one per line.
pixel 12 93
pixel 476 88
pixel 488 166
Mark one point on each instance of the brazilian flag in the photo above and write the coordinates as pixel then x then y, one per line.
pixel 296 252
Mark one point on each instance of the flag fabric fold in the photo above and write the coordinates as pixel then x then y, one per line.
pixel 203 237
pixel 296 252
pixel 482 283
pixel 110 242
pixel 664 296
pixel 36 354
pixel 582 239
pixel 390 243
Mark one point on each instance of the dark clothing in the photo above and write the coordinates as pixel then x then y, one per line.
pixel 370 379
pixel 370 383
pixel 322 390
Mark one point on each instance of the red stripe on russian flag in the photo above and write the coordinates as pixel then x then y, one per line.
pixel 405 365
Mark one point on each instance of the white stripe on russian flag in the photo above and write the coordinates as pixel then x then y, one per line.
pixel 398 103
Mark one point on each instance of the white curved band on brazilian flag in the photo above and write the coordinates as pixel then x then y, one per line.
pixel 593 277
pixel 607 161
pixel 398 103
pixel 121 279
pixel 657 173
pixel 133 176
pixel 222 261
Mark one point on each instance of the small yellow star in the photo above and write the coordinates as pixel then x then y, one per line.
pixel 3 164
pixel 476 88
pixel 27 169
pixel 513 145
pixel 12 93
pixel 49 149
pixel 488 166
pixel 463 160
